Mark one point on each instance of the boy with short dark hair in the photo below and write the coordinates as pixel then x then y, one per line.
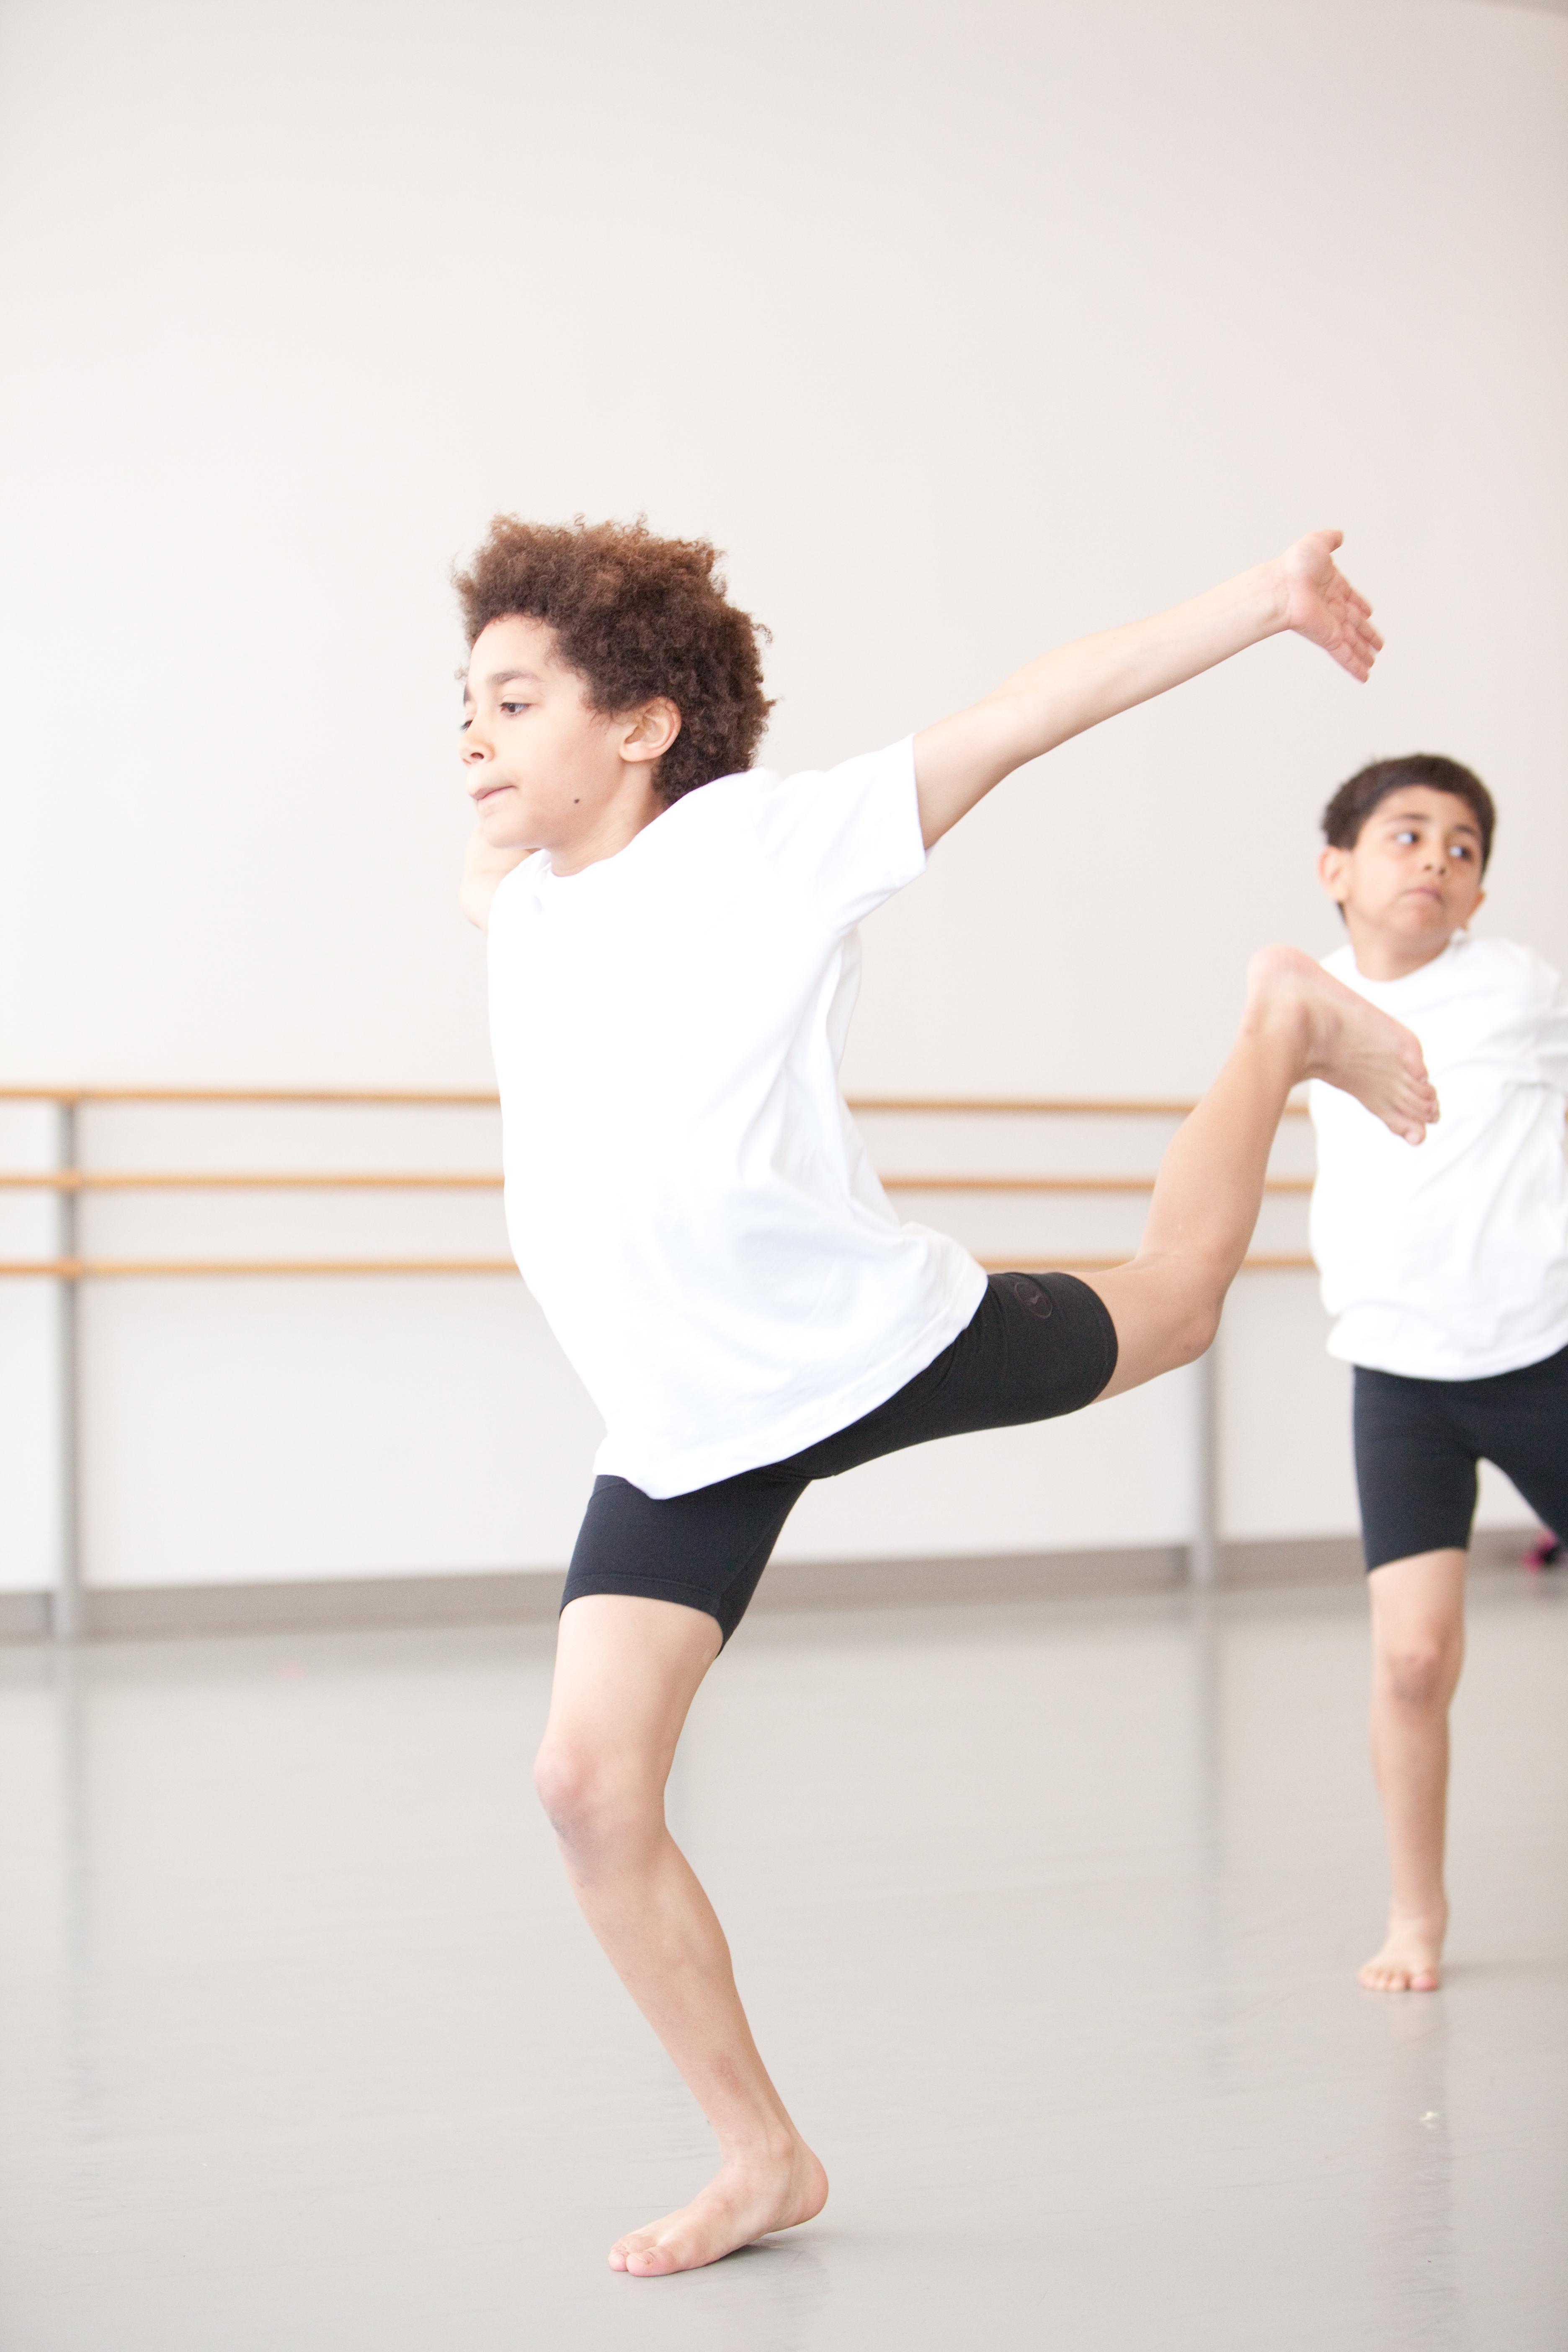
pixel 673 963
pixel 1447 1275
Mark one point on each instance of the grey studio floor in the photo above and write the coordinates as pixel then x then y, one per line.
pixel 1047 1914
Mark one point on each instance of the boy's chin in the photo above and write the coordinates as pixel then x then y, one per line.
pixel 506 826
pixel 1418 926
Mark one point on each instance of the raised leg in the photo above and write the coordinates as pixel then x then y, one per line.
pixel 1298 1024
pixel 1417 1649
pixel 627 1670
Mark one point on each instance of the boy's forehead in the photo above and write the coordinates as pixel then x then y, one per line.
pixel 1453 814
pixel 513 647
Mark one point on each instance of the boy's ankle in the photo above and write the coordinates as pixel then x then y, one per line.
pixel 766 2150
pixel 1431 1916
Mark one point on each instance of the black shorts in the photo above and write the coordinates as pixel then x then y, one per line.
pixel 1417 1443
pixel 1037 1345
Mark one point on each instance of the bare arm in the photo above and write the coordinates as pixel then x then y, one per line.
pixel 959 760
pixel 483 869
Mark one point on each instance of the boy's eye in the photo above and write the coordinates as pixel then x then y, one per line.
pixel 1459 849
pixel 514 706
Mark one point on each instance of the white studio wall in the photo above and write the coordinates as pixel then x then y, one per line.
pixel 965 330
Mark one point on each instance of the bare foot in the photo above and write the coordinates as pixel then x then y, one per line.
pixel 1346 1041
pixel 1411 1958
pixel 740 2204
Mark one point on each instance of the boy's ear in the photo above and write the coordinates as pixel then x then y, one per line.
pixel 651 732
pixel 1333 872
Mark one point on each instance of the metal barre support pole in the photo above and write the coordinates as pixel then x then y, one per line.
pixel 65 1615
pixel 1203 1552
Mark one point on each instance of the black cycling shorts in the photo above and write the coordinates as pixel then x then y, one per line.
pixel 1037 1346
pixel 1417 1443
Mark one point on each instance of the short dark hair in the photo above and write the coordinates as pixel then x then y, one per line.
pixel 638 618
pixel 1369 786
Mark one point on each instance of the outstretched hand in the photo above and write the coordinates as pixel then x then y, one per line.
pixel 1322 606
pixel 1055 697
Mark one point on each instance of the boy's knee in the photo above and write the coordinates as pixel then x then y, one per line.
pixel 589 1801
pixel 567 1780
pixel 1418 1669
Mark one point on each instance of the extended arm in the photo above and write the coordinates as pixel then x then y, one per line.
pixel 483 868
pixel 959 760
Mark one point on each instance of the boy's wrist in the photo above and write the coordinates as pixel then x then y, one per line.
pixel 1272 587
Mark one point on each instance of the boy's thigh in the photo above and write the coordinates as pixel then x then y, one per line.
pixel 1418 1604
pixel 1037 1345
pixel 1520 1421
pixel 704 1551
pixel 1415 1469
pixel 627 1670
pixel 1163 1310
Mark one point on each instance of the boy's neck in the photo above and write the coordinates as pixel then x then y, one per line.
pixel 609 831
pixel 1379 956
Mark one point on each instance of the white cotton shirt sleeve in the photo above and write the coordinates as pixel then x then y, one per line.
pixel 1450 1261
pixel 685 1193
pixel 846 837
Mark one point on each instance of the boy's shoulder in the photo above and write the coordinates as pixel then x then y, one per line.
pixel 1469 966
pixel 1506 966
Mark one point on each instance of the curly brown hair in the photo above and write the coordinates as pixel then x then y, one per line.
pixel 638 618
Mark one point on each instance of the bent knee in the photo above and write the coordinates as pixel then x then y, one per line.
pixel 569 1781
pixel 589 1800
pixel 1419 1673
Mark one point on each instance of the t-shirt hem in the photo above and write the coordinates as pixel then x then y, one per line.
pixel 757 1450
pixel 1481 1367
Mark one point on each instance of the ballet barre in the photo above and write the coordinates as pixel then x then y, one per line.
pixel 70 1182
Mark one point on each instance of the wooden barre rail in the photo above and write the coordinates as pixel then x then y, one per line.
pixel 988 1105
pixel 1050 1106
pixel 74 1095
pixel 73 1181
pixel 135 1180
pixel 94 1179
pixel 83 1269
pixel 69 1267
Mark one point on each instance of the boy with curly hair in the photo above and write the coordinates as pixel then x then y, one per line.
pixel 673 963
pixel 1447 1275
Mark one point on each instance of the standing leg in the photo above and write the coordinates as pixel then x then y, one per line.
pixel 1298 1024
pixel 627 1670
pixel 1418 1647
pixel 1417 1443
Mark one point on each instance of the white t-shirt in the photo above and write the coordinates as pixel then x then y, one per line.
pixel 1450 1262
pixel 686 1194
